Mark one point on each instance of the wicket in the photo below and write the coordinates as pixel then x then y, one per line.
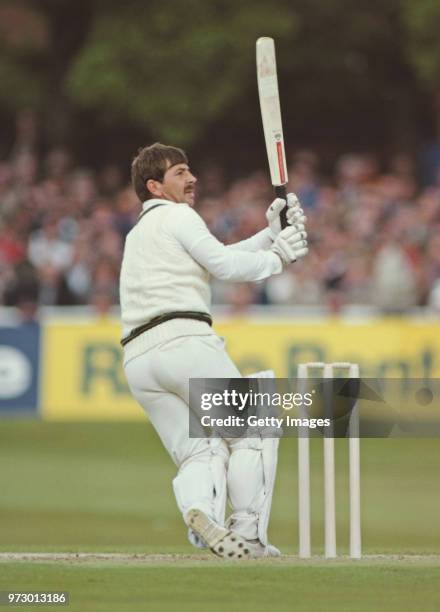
pixel 327 371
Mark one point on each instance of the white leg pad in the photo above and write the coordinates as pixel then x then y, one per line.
pixel 245 486
pixel 251 479
pixel 270 461
pixel 201 480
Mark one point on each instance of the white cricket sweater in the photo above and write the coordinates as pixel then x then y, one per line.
pixel 168 258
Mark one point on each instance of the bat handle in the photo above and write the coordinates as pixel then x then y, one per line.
pixel 281 192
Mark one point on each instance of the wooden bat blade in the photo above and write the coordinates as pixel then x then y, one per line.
pixel 270 109
pixel 271 114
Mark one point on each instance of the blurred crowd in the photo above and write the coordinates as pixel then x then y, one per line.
pixel 374 235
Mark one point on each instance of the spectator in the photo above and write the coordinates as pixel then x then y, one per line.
pixel 374 238
pixel 47 248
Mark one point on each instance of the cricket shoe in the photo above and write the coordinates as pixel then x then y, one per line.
pixel 222 542
pixel 258 550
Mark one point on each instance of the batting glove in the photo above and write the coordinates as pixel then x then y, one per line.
pixel 291 243
pixel 295 213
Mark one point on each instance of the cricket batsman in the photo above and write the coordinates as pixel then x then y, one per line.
pixel 169 256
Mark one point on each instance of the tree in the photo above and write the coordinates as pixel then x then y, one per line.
pixel 172 67
pixel 422 18
pixel 39 40
pixel 184 72
pixel 23 40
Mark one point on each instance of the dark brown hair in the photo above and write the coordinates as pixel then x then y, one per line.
pixel 151 163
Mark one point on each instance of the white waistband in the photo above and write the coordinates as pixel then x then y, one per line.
pixel 164 332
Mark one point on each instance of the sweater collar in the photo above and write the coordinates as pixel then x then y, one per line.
pixel 154 202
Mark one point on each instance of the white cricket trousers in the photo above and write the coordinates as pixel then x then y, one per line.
pixel 210 469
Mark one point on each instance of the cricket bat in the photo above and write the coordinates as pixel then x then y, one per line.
pixel 271 116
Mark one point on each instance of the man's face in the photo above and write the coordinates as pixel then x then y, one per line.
pixel 178 185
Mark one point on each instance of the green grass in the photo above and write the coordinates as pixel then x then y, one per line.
pixel 194 588
pixel 107 487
